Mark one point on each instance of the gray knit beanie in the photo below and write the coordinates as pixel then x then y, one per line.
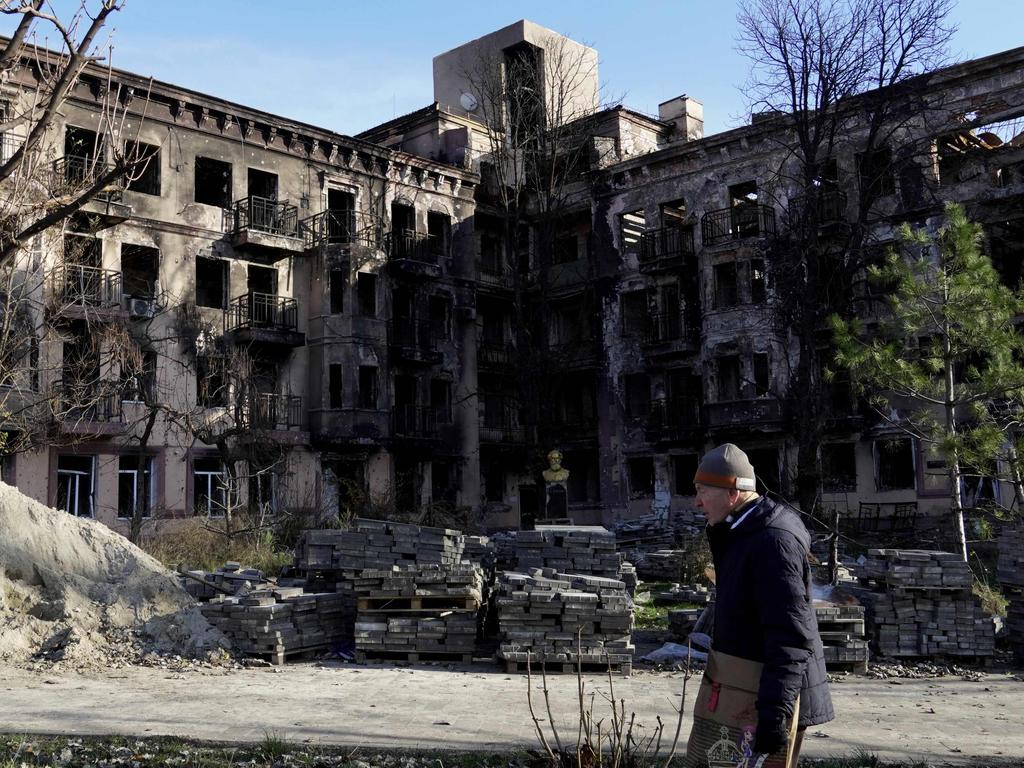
pixel 726 467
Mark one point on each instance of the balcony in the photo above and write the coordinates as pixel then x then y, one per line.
pixel 415 421
pixel 345 229
pixel 669 332
pixel 90 293
pixel 673 419
pixel 341 427
pixel 826 208
pixel 665 249
pixel 415 341
pixel 500 423
pixel 414 254
pixel 737 223
pixel 281 415
pixel 760 412
pixel 495 355
pixel 494 277
pixel 264 228
pixel 86 409
pixel 78 172
pixel 264 318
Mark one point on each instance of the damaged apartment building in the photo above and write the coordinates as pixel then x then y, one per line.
pixel 324 322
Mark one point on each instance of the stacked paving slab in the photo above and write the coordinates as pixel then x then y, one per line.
pixel 1010 574
pixel 661 565
pixel 558 619
pixel 578 549
pixel 842 629
pixel 278 623
pixel 418 612
pixel 229 578
pixel 926 608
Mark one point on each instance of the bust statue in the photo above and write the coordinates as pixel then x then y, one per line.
pixel 555 473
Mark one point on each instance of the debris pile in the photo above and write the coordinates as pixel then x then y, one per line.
pixel 1010 574
pixel 842 634
pixel 558 619
pixel 926 607
pixel 75 593
pixel 577 549
pixel 661 565
pixel 278 622
pixel 229 579
pixel 418 613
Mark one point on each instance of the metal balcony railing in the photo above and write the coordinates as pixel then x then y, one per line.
pixel 829 206
pixel 414 421
pixel 413 246
pixel 492 354
pixel 674 413
pixel 415 334
pixel 664 328
pixel 263 310
pixel 78 170
pixel 266 410
pixel 762 410
pixel 344 227
pixel 82 286
pixel 9 144
pixel 497 275
pixel 81 402
pixel 500 421
pixel 667 243
pixel 737 223
pixel 264 215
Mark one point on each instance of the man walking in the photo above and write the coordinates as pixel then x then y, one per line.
pixel 767 663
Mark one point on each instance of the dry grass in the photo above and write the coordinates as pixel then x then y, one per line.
pixel 192 544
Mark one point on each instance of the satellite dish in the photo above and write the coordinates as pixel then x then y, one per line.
pixel 468 102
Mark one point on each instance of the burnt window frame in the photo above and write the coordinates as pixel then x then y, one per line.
pixel 224 198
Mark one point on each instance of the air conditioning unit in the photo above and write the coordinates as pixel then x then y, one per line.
pixel 141 307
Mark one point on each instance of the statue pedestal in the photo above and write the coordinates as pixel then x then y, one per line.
pixel 556 500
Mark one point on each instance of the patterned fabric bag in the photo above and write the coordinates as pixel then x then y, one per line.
pixel 725 718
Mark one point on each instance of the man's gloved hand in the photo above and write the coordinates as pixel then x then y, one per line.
pixel 770 736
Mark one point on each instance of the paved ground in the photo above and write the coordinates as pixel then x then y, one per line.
pixel 938 721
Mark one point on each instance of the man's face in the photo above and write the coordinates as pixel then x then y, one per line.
pixel 717 503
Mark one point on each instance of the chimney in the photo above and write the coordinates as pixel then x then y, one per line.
pixel 686 114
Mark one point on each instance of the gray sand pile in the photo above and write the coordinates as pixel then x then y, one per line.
pixel 74 592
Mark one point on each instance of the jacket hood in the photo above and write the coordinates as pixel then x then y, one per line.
pixel 770 514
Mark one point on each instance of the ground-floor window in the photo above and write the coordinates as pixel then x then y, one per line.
pixel 134 486
pixel 209 487
pixel 75 485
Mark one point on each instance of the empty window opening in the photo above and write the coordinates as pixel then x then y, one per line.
pixel 684 468
pixel 758 281
pixel 728 378
pixel 637 388
pixel 635 313
pixel 403 219
pixel 566 249
pixel 839 467
pixel 673 213
pixel 261 280
pixel 641 477
pixel 631 227
pixel 441 400
pixel 744 193
pixel 134 486
pixel 81 143
pixel 761 374
pixel 209 487
pixel 212 387
pixel 725 285
pixel 439 311
pixel 211 282
pixel 140 270
pixel 875 170
pixel 366 294
pixel 213 182
pixel 338 282
pixel 334 383
pixel 75 485
pixel 144 177
pixel 368 387
pixel 894 464
pixel 439 232
pixel 262 184
pixel 341 218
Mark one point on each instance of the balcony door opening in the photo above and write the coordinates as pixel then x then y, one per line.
pixel 262 184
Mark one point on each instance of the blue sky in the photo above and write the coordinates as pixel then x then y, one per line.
pixel 347 65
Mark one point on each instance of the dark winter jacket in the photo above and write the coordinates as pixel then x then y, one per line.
pixel 764 610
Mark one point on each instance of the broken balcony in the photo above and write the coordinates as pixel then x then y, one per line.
pixel 415 341
pixel 265 228
pixel 739 222
pixel 86 409
pixel 345 229
pixel 264 318
pixel 758 412
pixel 672 419
pixel 414 254
pixel 665 249
pixel 415 421
pixel 280 415
pixel 83 292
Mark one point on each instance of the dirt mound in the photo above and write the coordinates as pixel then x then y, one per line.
pixel 75 593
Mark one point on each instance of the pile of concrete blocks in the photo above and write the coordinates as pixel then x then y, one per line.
pixel 418 612
pixel 629 577
pixel 842 630
pixel 697 594
pixel 924 606
pixel 1010 575
pixel 229 578
pixel 681 623
pixel 476 548
pixel 558 620
pixel 278 623
pixel 661 565
pixel 577 549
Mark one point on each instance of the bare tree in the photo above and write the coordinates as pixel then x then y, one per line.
pixel 838 79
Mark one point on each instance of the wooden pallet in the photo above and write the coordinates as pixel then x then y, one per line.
pixel 419 603
pixel 279 656
pixel 567 667
pixel 414 657
pixel 854 667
